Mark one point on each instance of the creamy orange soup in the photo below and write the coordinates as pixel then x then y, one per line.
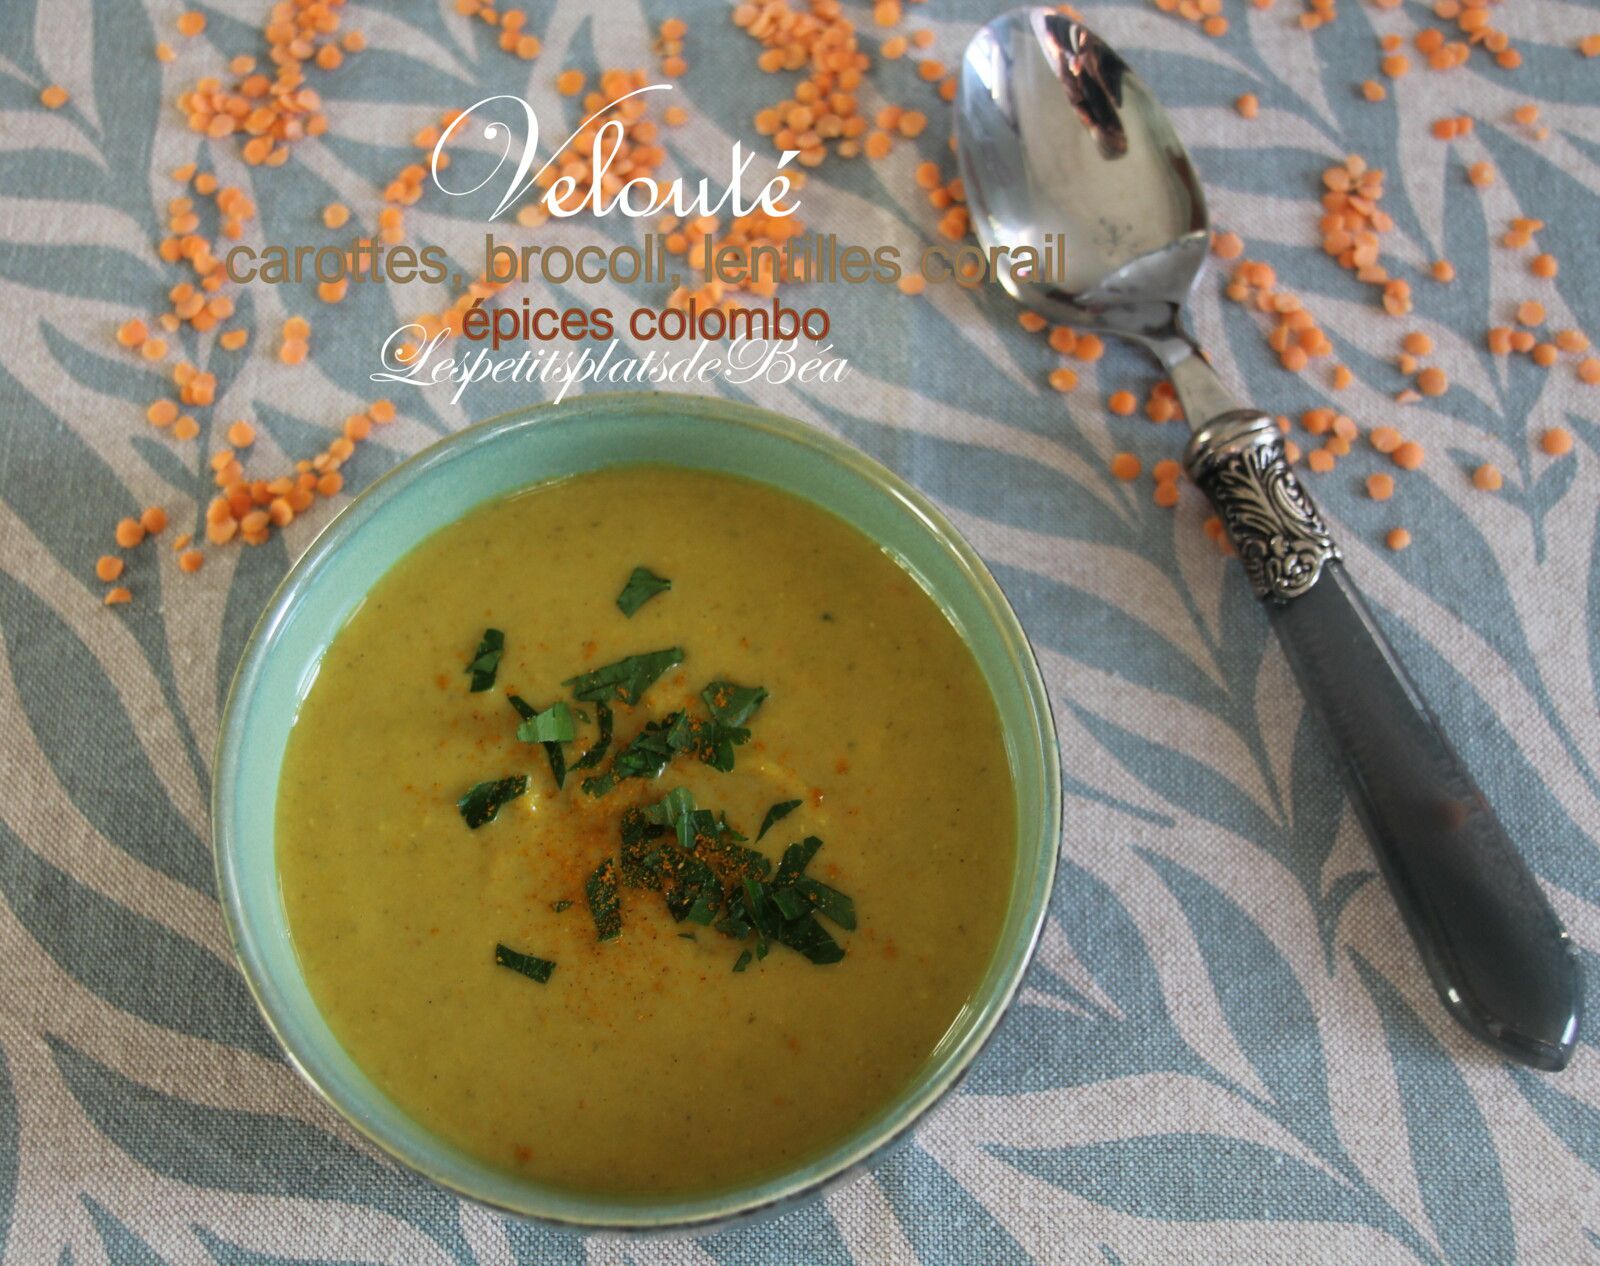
pixel 646 1064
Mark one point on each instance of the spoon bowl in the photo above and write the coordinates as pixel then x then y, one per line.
pixel 1058 136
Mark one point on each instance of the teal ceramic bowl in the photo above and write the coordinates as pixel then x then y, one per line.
pixel 487 461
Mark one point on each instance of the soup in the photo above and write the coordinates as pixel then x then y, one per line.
pixel 773 875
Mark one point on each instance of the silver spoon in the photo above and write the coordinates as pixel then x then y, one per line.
pixel 1056 136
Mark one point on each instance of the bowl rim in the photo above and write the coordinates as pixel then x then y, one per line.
pixel 878 1135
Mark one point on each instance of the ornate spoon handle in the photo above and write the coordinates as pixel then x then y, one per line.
pixel 1500 960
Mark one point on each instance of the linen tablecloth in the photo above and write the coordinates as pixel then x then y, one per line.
pixel 1226 1049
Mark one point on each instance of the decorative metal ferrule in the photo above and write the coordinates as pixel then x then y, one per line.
pixel 1238 461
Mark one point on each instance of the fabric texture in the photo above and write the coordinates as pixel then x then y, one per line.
pixel 1226 1049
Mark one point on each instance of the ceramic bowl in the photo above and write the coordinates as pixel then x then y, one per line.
pixel 485 462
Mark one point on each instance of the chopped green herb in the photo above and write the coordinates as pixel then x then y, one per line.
pixel 743 961
pixel 795 860
pixel 552 748
pixel 645 757
pixel 827 901
pixel 777 814
pixel 641 861
pixel 676 807
pixel 559 906
pixel 486 662
pixel 483 802
pixel 553 725
pixel 642 585
pixel 732 704
pixel 710 742
pixel 533 968
pixel 789 902
pixel 808 937
pixel 604 903
pixel 627 679
pixel 693 892
pixel 597 752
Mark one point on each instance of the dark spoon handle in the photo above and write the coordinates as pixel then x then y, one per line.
pixel 1499 958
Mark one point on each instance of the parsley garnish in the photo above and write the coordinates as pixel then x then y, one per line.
pixel 642 585
pixel 627 679
pixel 486 662
pixel 828 902
pixel 604 904
pixel 645 757
pixel 553 725
pixel 806 936
pixel 597 753
pixel 552 747
pixel 711 742
pixel 533 968
pixel 482 803
pixel 698 862
pixel 796 858
pixel 731 704
pixel 777 814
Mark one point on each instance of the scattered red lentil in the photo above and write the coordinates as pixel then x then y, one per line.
pixel 54 97
pixel 115 597
pixel 108 567
pixel 1125 466
pixel 1432 381
pixel 1556 441
pixel 1487 478
pixel 1248 105
pixel 1397 539
pixel 1408 456
pixel 1380 487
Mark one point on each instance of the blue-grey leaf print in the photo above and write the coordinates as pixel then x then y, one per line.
pixel 10 1154
pixel 1225 1049
pixel 120 1243
pixel 1457 1166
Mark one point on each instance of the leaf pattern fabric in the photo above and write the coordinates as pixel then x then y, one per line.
pixel 1226 1048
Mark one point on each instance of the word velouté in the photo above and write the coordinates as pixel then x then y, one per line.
pixel 638 196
